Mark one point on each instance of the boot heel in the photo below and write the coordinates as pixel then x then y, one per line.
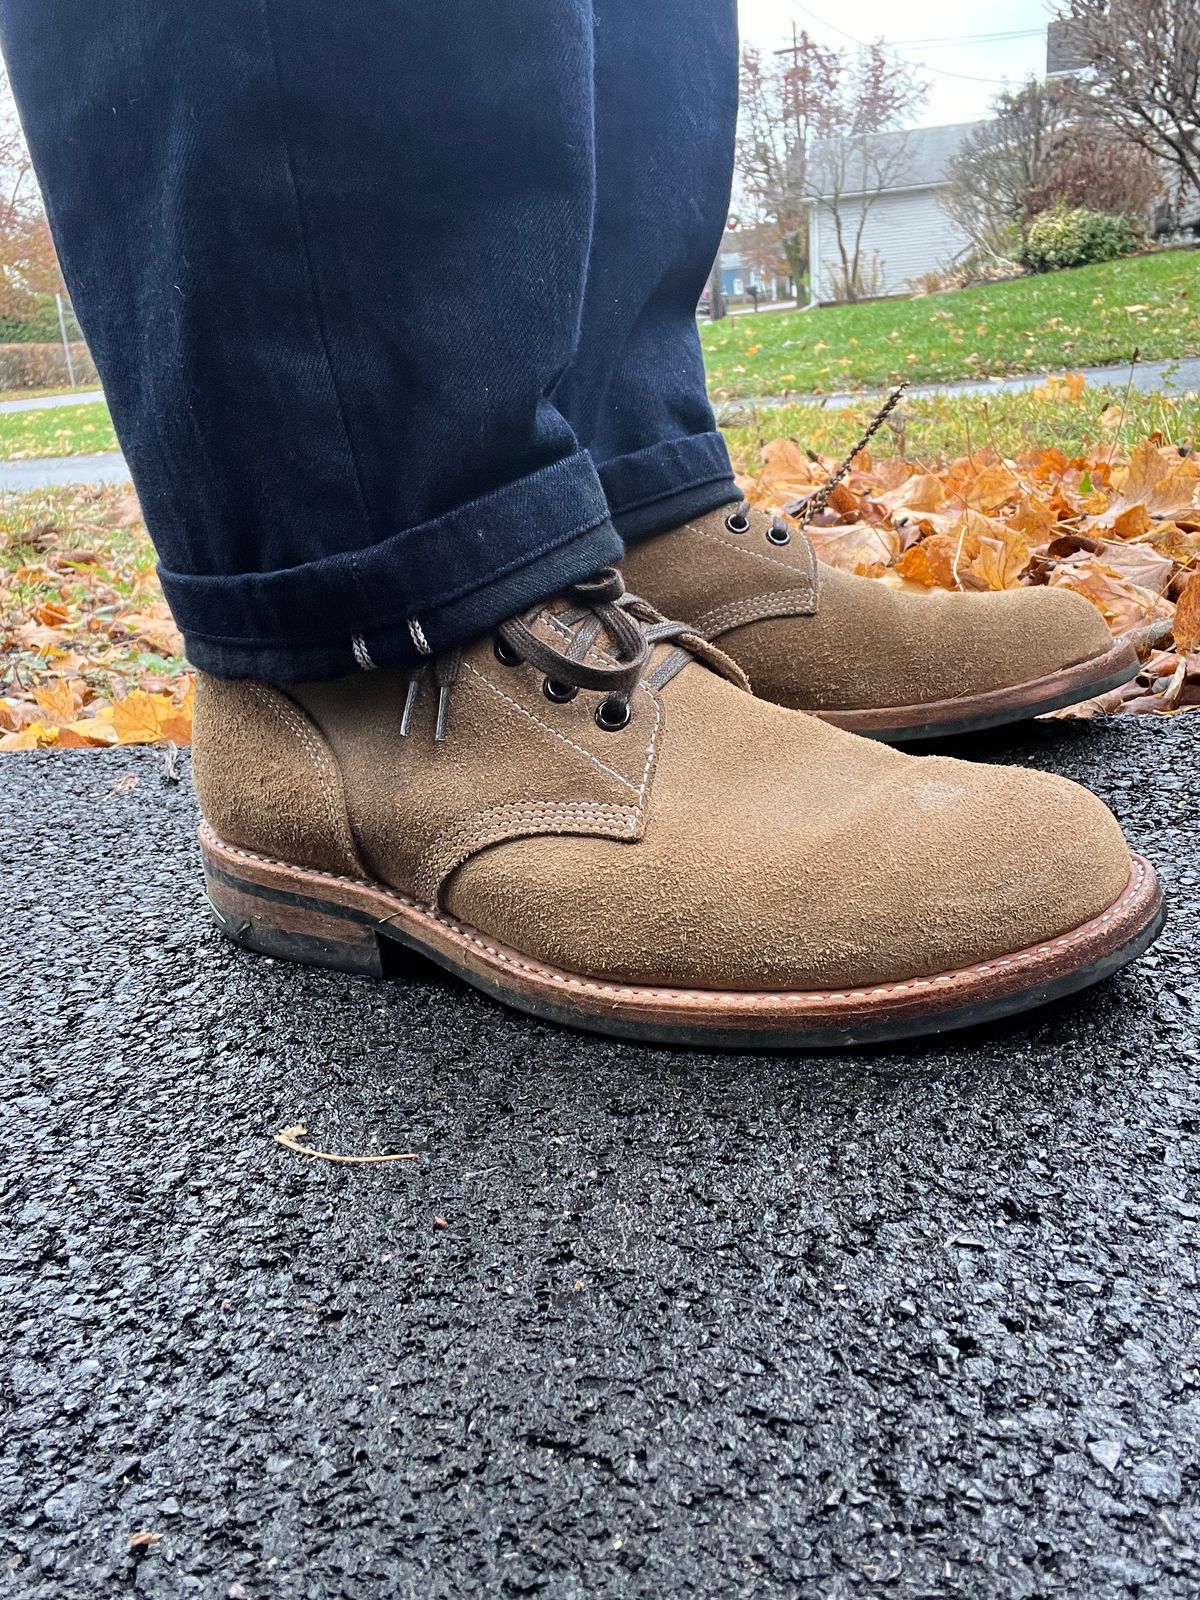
pixel 254 906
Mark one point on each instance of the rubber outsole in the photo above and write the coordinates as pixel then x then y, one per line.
pixel 944 719
pixel 355 926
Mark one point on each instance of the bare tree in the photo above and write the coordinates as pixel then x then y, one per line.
pixel 28 264
pixel 1004 159
pixel 1144 57
pixel 762 253
pixel 1101 170
pixel 849 173
pixel 807 100
pixel 780 115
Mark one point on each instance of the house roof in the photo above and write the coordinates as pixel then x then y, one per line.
pixel 1065 51
pixel 916 159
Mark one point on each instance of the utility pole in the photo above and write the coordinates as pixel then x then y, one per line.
pixel 717 306
pixel 792 49
pixel 716 292
pixel 66 343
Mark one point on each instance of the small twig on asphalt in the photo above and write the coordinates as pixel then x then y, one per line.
pixel 170 762
pixel 289 1138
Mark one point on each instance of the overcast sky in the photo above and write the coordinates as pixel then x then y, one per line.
pixel 952 68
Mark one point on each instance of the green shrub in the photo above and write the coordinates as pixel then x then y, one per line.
pixel 1073 236
pixel 44 366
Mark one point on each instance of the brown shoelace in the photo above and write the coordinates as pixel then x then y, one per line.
pixel 632 628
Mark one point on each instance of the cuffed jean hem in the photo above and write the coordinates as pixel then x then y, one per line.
pixel 667 484
pixel 410 596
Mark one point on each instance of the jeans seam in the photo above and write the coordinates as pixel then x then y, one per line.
pixel 317 305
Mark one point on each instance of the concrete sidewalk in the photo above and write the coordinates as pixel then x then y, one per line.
pixel 50 471
pixel 1171 377
pixel 52 402
pixel 1151 377
pixel 919 1322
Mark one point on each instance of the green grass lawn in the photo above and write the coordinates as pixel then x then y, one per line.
pixel 1057 321
pixel 59 431
pixel 939 426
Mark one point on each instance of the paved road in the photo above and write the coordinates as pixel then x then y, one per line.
pixel 51 402
pixel 52 470
pixel 1169 377
pixel 1150 377
pixel 917 1323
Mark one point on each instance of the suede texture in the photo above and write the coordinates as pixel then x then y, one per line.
pixel 865 645
pixel 512 763
pixel 265 779
pixel 780 852
pixel 718 841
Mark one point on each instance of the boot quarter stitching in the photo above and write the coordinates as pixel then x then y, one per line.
pixel 508 821
pixel 806 574
pixel 739 612
pixel 595 652
pixel 595 760
pixel 1024 958
pixel 293 721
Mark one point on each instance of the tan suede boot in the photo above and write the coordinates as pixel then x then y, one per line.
pixel 585 820
pixel 881 661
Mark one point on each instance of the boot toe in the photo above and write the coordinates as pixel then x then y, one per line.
pixel 1059 629
pixel 837 862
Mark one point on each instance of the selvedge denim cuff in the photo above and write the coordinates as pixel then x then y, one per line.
pixel 653 490
pixel 408 597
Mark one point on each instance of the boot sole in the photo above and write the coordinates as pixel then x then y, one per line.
pixel 971 713
pixel 356 926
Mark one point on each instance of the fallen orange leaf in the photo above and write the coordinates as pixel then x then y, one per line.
pixel 1187 616
pixel 57 700
pixel 138 717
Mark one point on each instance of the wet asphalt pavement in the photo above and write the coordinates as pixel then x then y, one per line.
pixel 917 1322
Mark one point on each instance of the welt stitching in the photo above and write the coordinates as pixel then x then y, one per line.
pixel 1025 958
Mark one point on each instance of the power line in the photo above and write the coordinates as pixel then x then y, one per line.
pixel 974 38
pixel 942 72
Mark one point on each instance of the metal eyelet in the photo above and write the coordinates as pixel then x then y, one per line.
pixel 559 692
pixel 614 713
pixel 505 654
pixel 778 535
pixel 737 522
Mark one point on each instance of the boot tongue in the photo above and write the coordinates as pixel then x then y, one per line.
pixel 558 623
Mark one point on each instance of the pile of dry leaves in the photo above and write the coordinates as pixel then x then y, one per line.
pixel 89 655
pixel 1123 532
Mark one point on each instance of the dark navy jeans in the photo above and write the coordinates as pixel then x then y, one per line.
pixel 393 302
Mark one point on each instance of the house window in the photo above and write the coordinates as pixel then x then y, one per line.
pixel 738 286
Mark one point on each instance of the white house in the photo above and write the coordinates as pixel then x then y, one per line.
pixel 898 178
